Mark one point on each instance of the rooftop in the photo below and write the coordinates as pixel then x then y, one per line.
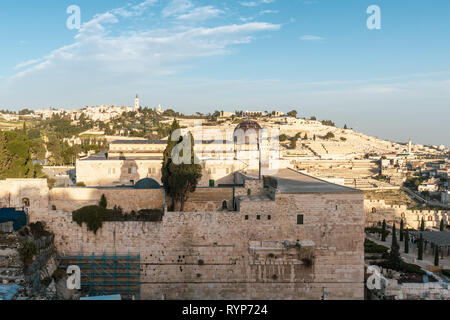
pixel 101 156
pixel 290 181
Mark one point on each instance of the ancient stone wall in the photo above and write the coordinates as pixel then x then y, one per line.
pixel 377 210
pixel 29 194
pixel 238 255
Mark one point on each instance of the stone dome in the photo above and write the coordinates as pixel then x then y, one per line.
pixel 248 125
pixel 147 183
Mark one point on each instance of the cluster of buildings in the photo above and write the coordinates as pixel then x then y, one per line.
pixel 98 113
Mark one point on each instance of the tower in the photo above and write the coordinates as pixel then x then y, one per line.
pixel 409 146
pixel 136 102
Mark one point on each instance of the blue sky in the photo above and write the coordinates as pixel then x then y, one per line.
pixel 316 56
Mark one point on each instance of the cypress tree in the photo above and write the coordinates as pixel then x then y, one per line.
pixel 180 179
pixel 401 230
pixel 394 255
pixel 420 250
pixel 422 225
pixel 442 225
pixel 436 255
pixel 383 231
pixel 103 202
pixel 406 241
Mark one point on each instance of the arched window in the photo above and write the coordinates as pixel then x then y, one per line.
pixel 224 205
pixel 374 210
pixel 26 202
pixel 430 218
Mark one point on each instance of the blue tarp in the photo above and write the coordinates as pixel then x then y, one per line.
pixel 8 291
pixel 19 218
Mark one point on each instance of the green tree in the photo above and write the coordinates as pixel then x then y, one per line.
pixel 436 255
pixel 293 144
pixel 383 231
pixel 394 254
pixel 345 127
pixel 283 137
pixel 420 248
pixel 329 135
pixel 103 202
pixel 442 225
pixel 406 241
pixel 16 156
pixel 292 114
pixel 422 225
pixel 401 230
pixel 179 179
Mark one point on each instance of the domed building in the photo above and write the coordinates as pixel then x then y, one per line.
pixel 146 184
pixel 247 132
pixel 247 149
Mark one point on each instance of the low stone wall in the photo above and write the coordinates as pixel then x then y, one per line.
pixel 417 291
pixel 377 210
pixel 70 199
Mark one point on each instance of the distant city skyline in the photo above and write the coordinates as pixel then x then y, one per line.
pixel 317 57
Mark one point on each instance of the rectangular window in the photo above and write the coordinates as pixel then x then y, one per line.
pixel 269 217
pixel 258 217
pixel 129 170
pixel 300 219
pixel 246 217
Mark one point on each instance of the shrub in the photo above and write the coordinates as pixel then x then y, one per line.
pixel 446 272
pixel 376 230
pixel 93 216
pixel 402 267
pixel 27 251
pixel 80 184
pixel 372 247
pixel 329 135
pixel 38 230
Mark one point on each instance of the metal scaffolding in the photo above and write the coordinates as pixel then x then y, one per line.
pixel 107 274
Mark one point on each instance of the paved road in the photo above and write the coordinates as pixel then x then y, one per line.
pixel 411 257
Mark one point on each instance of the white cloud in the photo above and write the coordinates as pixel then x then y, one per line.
pixel 255 3
pixel 201 13
pixel 176 7
pixel 311 38
pixel 101 58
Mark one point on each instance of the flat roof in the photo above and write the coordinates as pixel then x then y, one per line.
pixel 101 156
pixel 290 181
